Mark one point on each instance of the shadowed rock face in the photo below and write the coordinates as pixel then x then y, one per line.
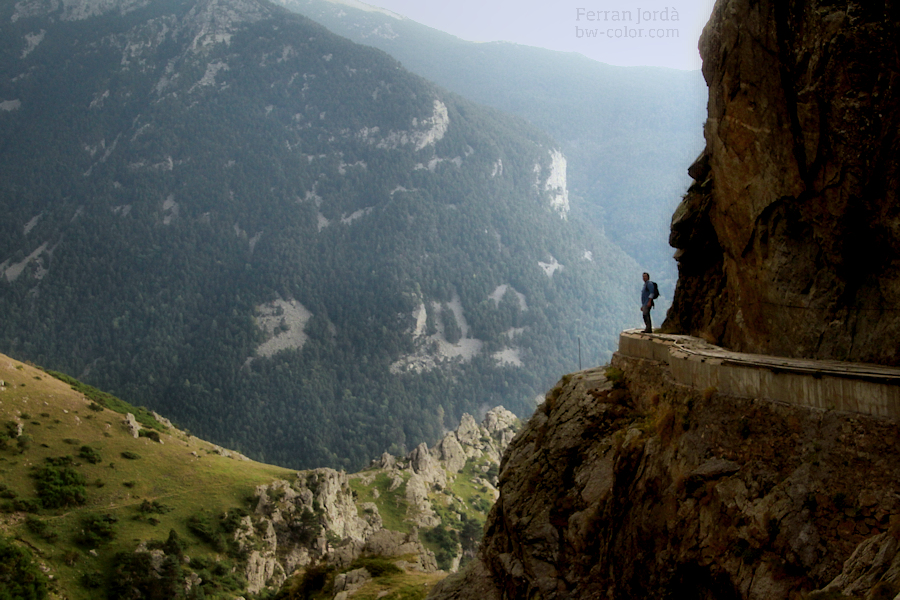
pixel 789 239
pixel 649 489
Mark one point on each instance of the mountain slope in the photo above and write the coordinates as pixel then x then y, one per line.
pixel 627 132
pixel 107 505
pixel 280 239
pixel 626 484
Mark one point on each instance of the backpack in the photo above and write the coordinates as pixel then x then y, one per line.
pixel 655 293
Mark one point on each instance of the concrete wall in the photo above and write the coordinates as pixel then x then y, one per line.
pixel 818 384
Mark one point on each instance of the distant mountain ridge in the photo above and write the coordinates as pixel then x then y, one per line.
pixel 627 132
pixel 280 239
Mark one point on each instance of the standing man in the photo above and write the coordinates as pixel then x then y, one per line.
pixel 648 293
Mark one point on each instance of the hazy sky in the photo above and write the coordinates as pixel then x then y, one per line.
pixel 618 32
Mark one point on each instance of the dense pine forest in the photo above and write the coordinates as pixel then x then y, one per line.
pixel 627 132
pixel 280 239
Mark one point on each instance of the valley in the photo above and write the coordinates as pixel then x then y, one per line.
pixel 228 214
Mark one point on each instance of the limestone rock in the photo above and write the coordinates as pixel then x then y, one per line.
pixel 697 497
pixel 262 570
pixel 395 543
pixel 386 461
pixel 713 469
pixel 872 570
pixel 468 432
pixel 351 580
pixel 451 453
pixel 162 419
pixel 419 510
pixel 788 236
pixel 318 517
pixel 500 422
pixel 132 425
pixel 424 464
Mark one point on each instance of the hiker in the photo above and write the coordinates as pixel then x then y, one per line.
pixel 649 293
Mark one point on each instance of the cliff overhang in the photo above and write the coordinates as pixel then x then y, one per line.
pixel 787 239
pixel 627 483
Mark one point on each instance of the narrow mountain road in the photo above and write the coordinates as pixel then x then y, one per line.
pixel 826 384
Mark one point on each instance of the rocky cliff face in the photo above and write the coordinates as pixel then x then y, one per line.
pixel 787 240
pixel 634 487
pixel 334 517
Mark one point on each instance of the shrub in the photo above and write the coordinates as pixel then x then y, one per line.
pixel 377 566
pixel 153 507
pixel 173 546
pixel 149 434
pixel 96 530
pixel 19 577
pixel 59 486
pixel 90 454
pixel 231 519
pixel 470 533
pixel 665 424
pixel 23 442
pixel 314 579
pixel 91 581
pixel 40 528
pixel 205 527
pixel 615 376
pixel 130 455
pixel 133 576
pixel 29 505
pixel 308 527
pixel 445 540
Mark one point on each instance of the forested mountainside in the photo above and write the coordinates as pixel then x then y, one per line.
pixel 627 132
pixel 280 239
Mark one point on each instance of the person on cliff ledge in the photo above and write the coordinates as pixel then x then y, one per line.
pixel 649 293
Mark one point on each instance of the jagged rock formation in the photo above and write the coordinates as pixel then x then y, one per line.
pixel 327 515
pixel 637 487
pixel 787 240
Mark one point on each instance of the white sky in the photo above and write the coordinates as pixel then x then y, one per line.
pixel 667 39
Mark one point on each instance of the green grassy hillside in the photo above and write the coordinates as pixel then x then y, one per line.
pixel 133 488
pixel 93 505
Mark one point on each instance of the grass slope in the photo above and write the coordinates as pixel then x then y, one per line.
pixel 174 479
pixel 78 492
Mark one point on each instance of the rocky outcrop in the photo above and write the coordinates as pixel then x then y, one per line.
pixel 787 239
pixel 132 425
pixel 327 515
pixel 645 488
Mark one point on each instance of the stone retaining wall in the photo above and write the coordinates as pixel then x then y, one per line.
pixel 827 385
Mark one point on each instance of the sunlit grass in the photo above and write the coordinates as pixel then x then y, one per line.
pixel 180 472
